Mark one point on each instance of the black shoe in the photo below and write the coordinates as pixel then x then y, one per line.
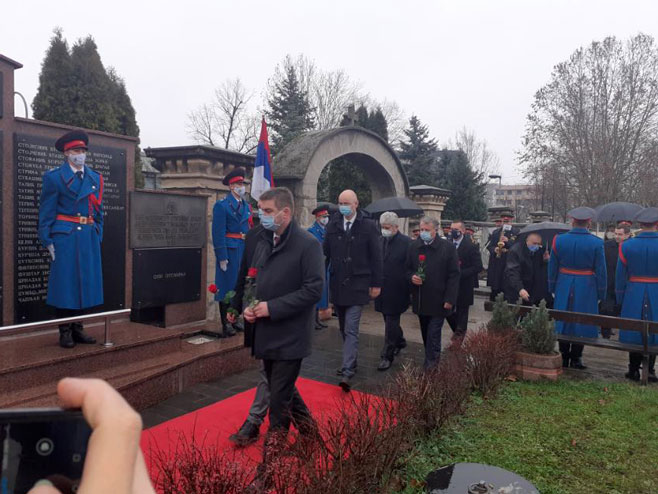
pixel 246 435
pixel 384 364
pixel 400 347
pixel 79 335
pixel 345 384
pixel 228 331
pixel 633 375
pixel 577 363
pixel 66 336
pixel 339 371
pixel 565 361
pixel 237 327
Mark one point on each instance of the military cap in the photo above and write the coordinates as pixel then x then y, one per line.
pixel 582 213
pixel 469 228
pixel 647 216
pixel 321 209
pixel 72 140
pixel 236 175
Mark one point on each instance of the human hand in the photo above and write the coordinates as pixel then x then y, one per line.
pixel 261 310
pixel 249 315
pixel 223 265
pixel 51 249
pixel 231 317
pixel 416 280
pixel 503 238
pixel 547 256
pixel 375 291
pixel 447 306
pixel 524 294
pixel 114 463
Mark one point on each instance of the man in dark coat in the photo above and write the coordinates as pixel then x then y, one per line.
pixel 433 269
pixel 609 306
pixel 286 267
pixel 470 264
pixel 526 273
pixel 499 243
pixel 71 228
pixel 353 249
pixel 394 299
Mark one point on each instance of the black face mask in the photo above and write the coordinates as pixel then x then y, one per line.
pixel 455 234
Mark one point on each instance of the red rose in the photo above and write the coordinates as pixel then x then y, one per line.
pixel 421 258
pixel 212 288
pixel 252 272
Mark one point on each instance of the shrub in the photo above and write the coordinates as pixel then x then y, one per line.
pixel 538 331
pixel 489 358
pixel 502 318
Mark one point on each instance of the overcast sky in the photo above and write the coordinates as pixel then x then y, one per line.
pixel 452 63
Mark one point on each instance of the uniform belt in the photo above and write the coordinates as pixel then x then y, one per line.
pixel 644 279
pixel 578 272
pixel 83 220
pixel 236 235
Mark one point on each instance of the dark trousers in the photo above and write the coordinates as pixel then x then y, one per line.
pixel 393 336
pixel 62 313
pixel 458 319
pixel 571 350
pixel 285 404
pixel 430 329
pixel 635 362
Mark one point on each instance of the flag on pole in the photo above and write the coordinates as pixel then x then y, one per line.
pixel 262 169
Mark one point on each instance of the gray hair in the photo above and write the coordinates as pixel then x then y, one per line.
pixel 388 218
pixel 428 220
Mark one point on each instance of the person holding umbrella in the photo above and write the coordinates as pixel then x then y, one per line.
pixel 577 278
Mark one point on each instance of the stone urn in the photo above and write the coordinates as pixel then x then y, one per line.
pixel 535 366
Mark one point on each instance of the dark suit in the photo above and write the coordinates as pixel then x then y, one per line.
pixel 526 271
pixel 496 268
pixel 609 306
pixel 394 298
pixel 470 264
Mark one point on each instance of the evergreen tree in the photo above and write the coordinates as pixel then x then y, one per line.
pixel 418 154
pixel 467 192
pixel 378 124
pixel 290 112
pixel 53 99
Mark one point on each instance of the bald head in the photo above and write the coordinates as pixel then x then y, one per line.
pixel 347 199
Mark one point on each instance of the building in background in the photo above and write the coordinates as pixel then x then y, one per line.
pixel 521 198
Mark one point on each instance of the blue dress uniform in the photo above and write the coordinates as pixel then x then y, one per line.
pixel 71 221
pixel 318 231
pixel 577 277
pixel 636 287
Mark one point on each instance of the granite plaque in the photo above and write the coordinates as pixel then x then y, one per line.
pixel 165 276
pixel 34 155
pixel 167 220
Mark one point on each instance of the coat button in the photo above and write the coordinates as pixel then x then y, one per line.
pixel 78 214
pixel 93 186
pixel 79 228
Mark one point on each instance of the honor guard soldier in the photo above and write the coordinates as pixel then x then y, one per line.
pixel 231 220
pixel 637 286
pixel 577 277
pixel 318 230
pixel 71 228
pixel 500 241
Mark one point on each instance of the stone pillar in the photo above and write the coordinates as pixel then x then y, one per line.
pixel 431 199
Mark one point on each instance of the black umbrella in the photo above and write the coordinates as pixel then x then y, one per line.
pixel 616 211
pixel 401 206
pixel 547 230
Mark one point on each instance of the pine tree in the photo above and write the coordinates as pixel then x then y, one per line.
pixel 418 154
pixel 53 99
pixel 378 124
pixel 290 112
pixel 467 192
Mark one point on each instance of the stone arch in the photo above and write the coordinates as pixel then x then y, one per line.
pixel 299 164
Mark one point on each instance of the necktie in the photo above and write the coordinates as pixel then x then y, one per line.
pixel 348 225
pixel 275 240
pixel 79 175
pixel 456 245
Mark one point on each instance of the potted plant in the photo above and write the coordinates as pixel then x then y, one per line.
pixel 538 359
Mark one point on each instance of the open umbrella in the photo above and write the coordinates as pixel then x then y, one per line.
pixel 616 211
pixel 547 230
pixel 401 206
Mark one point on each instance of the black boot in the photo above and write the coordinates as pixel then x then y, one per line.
pixel 246 435
pixel 227 328
pixel 66 336
pixel 79 335
pixel 633 374
pixel 577 363
pixel 565 360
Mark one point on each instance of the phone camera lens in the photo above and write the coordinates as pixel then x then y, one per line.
pixel 45 446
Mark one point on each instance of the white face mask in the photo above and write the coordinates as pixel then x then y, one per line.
pixel 240 191
pixel 324 220
pixel 78 160
pixel 387 233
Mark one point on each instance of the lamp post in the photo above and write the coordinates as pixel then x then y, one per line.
pixel 500 182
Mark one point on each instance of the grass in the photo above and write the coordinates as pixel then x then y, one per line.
pixel 566 438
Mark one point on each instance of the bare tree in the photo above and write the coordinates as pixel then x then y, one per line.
pixel 483 159
pixel 226 121
pixel 592 133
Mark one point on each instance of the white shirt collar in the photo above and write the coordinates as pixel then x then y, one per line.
pixel 458 242
pixel 345 220
pixel 75 170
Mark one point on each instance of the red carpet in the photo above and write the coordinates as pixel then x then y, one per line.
pixel 214 424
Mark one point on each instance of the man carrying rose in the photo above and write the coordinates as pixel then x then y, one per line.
pixel 433 269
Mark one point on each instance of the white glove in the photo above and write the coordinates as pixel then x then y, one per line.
pixel 51 249
pixel 223 265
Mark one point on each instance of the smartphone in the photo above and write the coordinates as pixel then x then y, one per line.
pixel 42 443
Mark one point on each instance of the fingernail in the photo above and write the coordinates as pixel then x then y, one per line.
pixel 43 483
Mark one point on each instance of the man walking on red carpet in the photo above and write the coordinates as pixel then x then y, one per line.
pixel 280 281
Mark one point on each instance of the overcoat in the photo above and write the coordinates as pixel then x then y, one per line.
pixel 470 265
pixel 496 267
pixel 637 282
pixel 76 274
pixel 577 277
pixel 394 298
pixel 528 271
pixel 229 217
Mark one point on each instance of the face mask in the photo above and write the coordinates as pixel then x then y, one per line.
pixel 268 221
pixel 455 234
pixel 534 248
pixel 345 210
pixel 387 233
pixel 324 220
pixel 240 190
pixel 78 160
pixel 609 235
pixel 425 236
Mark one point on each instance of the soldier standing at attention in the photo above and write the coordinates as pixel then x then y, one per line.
pixel 71 228
pixel 318 229
pixel 231 220
pixel 577 277
pixel 636 285
pixel 500 241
